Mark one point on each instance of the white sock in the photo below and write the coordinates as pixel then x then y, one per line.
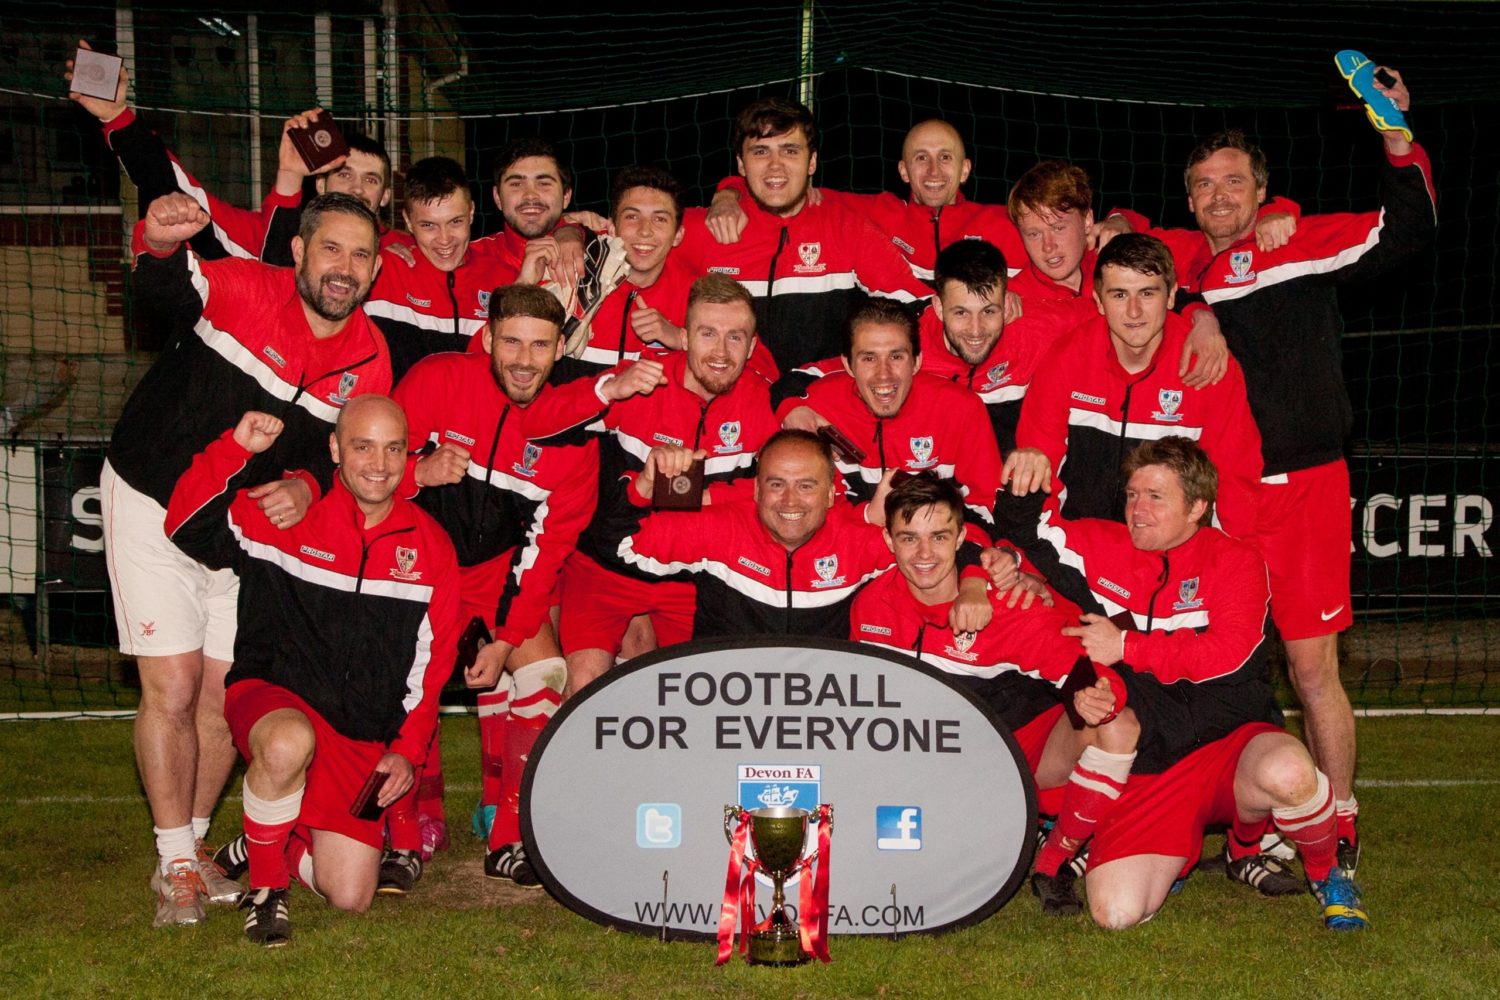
pixel 200 827
pixel 271 812
pixel 174 843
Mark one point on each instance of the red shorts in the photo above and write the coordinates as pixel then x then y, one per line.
pixel 1166 813
pixel 597 605
pixel 1303 535
pixel 480 586
pixel 339 766
pixel 1032 739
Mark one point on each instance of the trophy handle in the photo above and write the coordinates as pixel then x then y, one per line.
pixel 807 862
pixel 731 816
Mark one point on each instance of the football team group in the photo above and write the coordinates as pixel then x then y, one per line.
pixel 1088 467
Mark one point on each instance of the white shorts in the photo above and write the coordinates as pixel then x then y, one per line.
pixel 165 602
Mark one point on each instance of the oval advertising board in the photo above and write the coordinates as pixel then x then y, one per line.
pixel 623 799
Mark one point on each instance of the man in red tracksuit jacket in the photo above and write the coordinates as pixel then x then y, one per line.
pixel 514 510
pixel 1112 383
pixel 1179 609
pixel 967 340
pixel 1280 314
pixel 241 336
pixel 346 622
pixel 806 265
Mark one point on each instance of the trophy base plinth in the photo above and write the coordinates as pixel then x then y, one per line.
pixel 781 945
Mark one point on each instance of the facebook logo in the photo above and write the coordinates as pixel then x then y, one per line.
pixel 658 824
pixel 898 828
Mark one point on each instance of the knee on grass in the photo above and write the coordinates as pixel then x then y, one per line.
pixel 1118 914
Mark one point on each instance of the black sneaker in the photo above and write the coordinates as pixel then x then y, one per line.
pixel 233 860
pixel 1057 893
pixel 510 862
pixel 1348 855
pixel 1264 874
pixel 268 923
pixel 399 871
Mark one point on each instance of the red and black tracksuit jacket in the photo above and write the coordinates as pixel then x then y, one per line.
pixel 1001 379
pixel 731 428
pixel 940 427
pixel 1016 663
pixel 348 617
pixel 1196 620
pixel 1279 310
pixel 748 583
pixel 1086 413
pixel 806 272
pixel 520 502
pixel 239 341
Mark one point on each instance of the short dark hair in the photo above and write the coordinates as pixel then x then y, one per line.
pixel 977 265
pixel 526 146
pixel 721 290
pixel 645 175
pixel 793 435
pixel 361 143
pixel 1052 185
pixel 1187 460
pixel 1136 252
pixel 1228 139
pixel 911 491
pixel 509 301
pixel 881 312
pixel 342 204
pixel 433 179
pixel 773 116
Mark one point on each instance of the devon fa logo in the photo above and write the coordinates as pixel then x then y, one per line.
pixel 1168 400
pixel 921 449
pixel 1187 596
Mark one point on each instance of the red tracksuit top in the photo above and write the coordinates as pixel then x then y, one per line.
pixel 239 340
pixel 520 502
pixel 361 623
pixel 1086 413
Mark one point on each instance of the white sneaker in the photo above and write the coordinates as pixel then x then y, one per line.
pixel 217 886
pixel 179 894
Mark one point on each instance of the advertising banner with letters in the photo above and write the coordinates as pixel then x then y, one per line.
pixel 624 797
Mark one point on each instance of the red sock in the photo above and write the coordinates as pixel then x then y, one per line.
pixel 1245 837
pixel 268 827
pixel 401 822
pixel 537 694
pixel 429 796
pixel 1346 812
pixel 494 719
pixel 1312 827
pixel 299 859
pixel 1096 782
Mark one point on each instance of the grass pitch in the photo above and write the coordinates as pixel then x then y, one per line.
pixel 75 854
